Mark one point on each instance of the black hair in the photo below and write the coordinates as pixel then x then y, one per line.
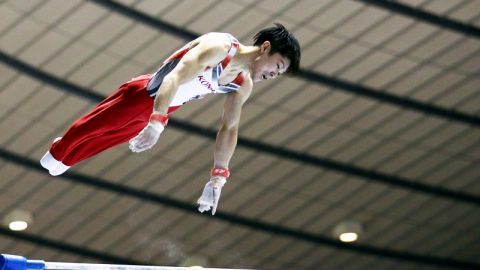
pixel 282 42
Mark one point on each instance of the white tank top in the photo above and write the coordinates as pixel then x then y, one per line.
pixel 206 83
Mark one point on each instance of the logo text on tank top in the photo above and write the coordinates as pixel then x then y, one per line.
pixel 205 83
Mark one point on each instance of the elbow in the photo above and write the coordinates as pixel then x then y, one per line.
pixel 232 129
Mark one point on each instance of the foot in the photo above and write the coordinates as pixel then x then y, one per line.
pixel 54 167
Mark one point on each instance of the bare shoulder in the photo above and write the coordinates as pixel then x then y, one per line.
pixel 208 49
pixel 216 42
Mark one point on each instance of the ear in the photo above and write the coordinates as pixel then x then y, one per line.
pixel 265 47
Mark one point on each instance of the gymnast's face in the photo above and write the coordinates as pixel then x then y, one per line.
pixel 269 66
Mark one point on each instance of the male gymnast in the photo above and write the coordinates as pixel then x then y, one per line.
pixel 138 111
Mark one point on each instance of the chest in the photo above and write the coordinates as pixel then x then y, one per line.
pixel 215 80
pixel 230 73
pixel 228 76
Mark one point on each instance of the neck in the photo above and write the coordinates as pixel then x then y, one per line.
pixel 246 56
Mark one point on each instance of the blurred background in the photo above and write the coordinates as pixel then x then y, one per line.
pixel 377 137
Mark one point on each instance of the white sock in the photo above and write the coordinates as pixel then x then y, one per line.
pixel 61 168
pixel 49 162
pixel 54 167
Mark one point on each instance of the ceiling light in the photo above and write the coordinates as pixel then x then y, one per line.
pixel 348 237
pixel 348 231
pixel 18 225
pixel 18 220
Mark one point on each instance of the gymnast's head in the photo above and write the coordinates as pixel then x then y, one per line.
pixel 279 53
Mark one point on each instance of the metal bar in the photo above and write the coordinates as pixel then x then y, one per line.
pixel 15 262
pixel 91 266
pixel 439 262
pixel 421 15
pixel 336 83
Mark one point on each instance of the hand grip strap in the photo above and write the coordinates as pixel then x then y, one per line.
pixel 163 119
pixel 220 172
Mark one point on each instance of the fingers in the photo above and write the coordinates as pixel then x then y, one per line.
pixel 203 207
pixel 206 199
pixel 132 145
pixel 141 142
pixel 215 200
pixel 145 139
pixel 210 197
pixel 137 147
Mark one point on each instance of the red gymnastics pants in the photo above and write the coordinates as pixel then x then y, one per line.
pixel 116 120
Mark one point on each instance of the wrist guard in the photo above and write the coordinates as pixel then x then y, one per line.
pixel 220 172
pixel 157 117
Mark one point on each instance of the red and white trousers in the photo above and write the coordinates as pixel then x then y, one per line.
pixel 116 120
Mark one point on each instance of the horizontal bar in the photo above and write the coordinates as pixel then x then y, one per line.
pixel 91 266
pixel 15 262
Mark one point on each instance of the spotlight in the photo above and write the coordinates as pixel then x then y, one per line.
pixel 348 231
pixel 18 220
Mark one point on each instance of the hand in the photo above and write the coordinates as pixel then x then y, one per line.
pixel 211 194
pixel 147 137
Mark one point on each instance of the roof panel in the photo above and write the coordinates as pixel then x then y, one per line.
pixel 99 49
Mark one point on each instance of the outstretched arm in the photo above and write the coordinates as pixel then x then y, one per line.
pixel 224 147
pixel 227 135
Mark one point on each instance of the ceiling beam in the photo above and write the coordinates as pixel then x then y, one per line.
pixel 383 96
pixel 253 224
pixel 336 83
pixel 417 14
pixel 364 174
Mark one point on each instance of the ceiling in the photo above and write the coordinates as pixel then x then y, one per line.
pixel 381 126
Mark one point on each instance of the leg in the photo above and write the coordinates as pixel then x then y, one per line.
pixel 107 140
pixel 129 104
